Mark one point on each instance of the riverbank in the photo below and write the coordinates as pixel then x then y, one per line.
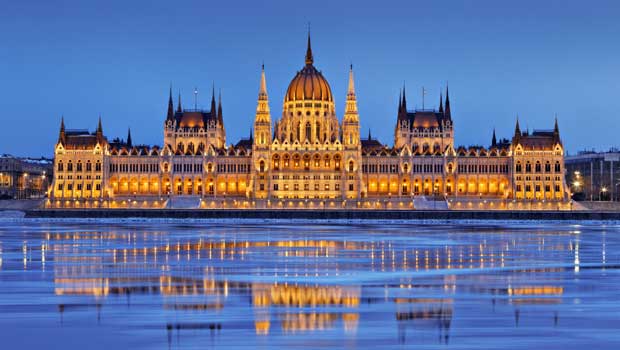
pixel 325 214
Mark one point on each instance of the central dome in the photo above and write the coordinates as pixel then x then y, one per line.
pixel 309 84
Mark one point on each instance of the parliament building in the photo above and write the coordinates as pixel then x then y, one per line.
pixel 309 158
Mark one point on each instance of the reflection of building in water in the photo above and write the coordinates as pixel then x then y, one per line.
pixel 303 296
pixel 424 313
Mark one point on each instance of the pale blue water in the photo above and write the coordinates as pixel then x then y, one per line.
pixel 204 285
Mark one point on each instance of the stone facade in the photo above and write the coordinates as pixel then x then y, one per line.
pixel 308 158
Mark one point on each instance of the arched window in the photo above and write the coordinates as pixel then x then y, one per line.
pixel 406 168
pixel 557 167
pixel 547 167
pixel 190 147
pixel 308 131
pixel 528 167
pixel 181 147
pixel 89 166
pixel 519 167
pixel 261 166
pixel 351 165
pixel 79 166
pixel 538 167
pixel 318 131
pixel 60 166
pixel 98 166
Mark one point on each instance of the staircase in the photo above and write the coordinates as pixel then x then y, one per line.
pixel 184 202
pixel 423 203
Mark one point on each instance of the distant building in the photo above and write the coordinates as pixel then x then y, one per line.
pixel 24 177
pixel 594 175
pixel 309 158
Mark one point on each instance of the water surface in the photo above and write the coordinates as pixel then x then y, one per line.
pixel 160 285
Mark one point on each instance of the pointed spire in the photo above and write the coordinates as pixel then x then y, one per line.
pixel 179 108
pixel 213 105
pixel 556 131
pixel 517 134
pixel 404 104
pixel 448 112
pixel 99 126
pixel 61 134
pixel 351 114
pixel 262 92
pixel 129 143
pixel 493 139
pixel 440 102
pixel 220 117
pixel 369 135
pixel 309 57
pixel 170 114
pixel 351 88
pixel 400 101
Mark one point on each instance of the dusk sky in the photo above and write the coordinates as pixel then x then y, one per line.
pixel 117 58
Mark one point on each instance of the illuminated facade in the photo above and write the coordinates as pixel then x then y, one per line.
pixel 308 159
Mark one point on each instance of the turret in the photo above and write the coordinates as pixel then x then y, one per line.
pixel 351 127
pixel 129 143
pixel 440 103
pixel 99 132
pixel 262 119
pixel 62 138
pixel 170 114
pixel 517 135
pixel 493 139
pixel 448 112
pixel 179 107
pixel 556 133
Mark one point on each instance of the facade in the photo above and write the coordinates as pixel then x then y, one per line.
pixel 309 158
pixel 594 176
pixel 22 178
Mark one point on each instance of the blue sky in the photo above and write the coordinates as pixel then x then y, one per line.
pixel 117 58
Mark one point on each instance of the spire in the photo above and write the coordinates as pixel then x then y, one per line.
pixel 99 127
pixel 179 108
pixel 556 131
pixel 493 139
pixel 369 135
pixel 517 134
pixel 351 114
pixel 351 89
pixel 309 57
pixel 262 92
pixel 448 112
pixel 213 105
pixel 262 107
pixel 61 134
pixel 400 101
pixel 129 143
pixel 220 117
pixel 170 114
pixel 440 102
pixel 404 105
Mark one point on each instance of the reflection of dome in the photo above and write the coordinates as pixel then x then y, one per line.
pixel 309 83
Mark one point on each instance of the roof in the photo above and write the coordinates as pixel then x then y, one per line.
pixel 425 119
pixel 194 118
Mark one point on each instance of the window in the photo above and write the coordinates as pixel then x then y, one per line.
pixel 69 187
pixel 519 168
pixel 528 167
pixel 351 187
pixel 337 187
pixel 60 166
pixel 261 187
pixel 316 187
pixel 79 166
pixel 557 167
pixel 326 187
pixel 89 187
pixel 98 187
pixel 70 166
pixel 60 186
pixel 538 169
